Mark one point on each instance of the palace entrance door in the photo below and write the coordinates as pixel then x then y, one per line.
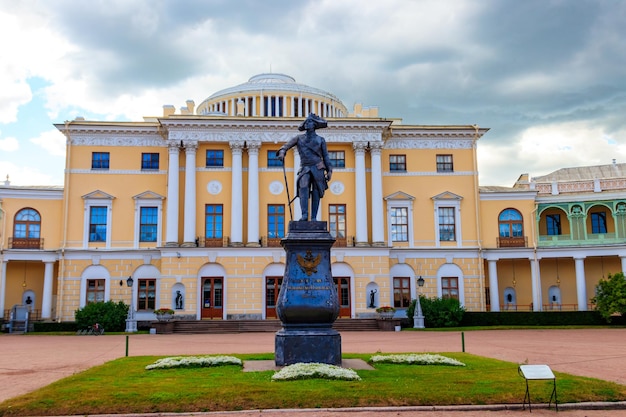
pixel 212 297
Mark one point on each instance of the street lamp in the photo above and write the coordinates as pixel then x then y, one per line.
pixel 131 322
pixel 418 317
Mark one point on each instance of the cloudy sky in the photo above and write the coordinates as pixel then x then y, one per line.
pixel 548 77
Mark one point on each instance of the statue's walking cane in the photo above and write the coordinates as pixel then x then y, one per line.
pixel 287 188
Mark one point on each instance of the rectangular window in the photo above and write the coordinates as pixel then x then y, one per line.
pixel 148 224
pixel 401 292
pixel 444 163
pixel 337 220
pixel 450 287
pixel 95 291
pixel 272 159
pixel 337 159
pixel 146 294
pixel 553 224
pixel 214 158
pixel 149 161
pixel 598 222
pixel 214 220
pixel 447 224
pixel 99 160
pixel 399 224
pixel 97 224
pixel 397 162
pixel 275 221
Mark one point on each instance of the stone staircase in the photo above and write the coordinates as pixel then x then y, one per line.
pixel 250 326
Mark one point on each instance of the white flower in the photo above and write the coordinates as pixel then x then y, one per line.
pixel 315 370
pixel 193 362
pixel 417 359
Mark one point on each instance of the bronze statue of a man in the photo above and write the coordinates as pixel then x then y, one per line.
pixel 315 168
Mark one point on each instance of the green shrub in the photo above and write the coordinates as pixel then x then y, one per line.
pixel 52 326
pixel 439 312
pixel 110 315
pixel 533 318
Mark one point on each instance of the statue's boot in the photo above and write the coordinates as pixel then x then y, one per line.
pixel 304 203
pixel 315 204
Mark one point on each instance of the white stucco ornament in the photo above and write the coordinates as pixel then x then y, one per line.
pixel 337 187
pixel 276 187
pixel 214 187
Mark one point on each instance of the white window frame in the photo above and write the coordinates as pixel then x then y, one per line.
pixel 148 199
pixel 97 199
pixel 400 200
pixel 448 200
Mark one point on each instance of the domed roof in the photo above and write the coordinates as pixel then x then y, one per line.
pixel 273 82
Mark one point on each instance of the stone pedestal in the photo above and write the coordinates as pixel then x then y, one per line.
pixel 307 304
pixel 163 327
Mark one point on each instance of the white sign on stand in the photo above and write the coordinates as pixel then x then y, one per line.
pixel 538 372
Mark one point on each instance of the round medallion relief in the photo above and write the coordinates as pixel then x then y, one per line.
pixel 337 187
pixel 214 187
pixel 276 187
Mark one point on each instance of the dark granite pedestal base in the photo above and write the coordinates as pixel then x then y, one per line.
pixel 307 346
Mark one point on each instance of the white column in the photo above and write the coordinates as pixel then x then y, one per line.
pixel 581 284
pixel 292 104
pixel 189 234
pixel 494 291
pixel 236 218
pixel 378 216
pixel 361 194
pixel 253 193
pixel 535 278
pixel 3 284
pixel 300 106
pixel 171 229
pixel 253 106
pixel 46 303
pixel 623 259
pixel 297 213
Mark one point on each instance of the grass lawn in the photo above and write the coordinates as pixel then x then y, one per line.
pixel 124 386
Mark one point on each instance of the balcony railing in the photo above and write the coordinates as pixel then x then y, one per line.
pixel 219 242
pixel 512 242
pixel 25 243
pixel 592 239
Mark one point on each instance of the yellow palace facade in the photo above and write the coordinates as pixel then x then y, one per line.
pixel 192 206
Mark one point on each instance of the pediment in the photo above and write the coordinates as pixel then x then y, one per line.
pixel 447 195
pixel 98 194
pixel 399 195
pixel 148 195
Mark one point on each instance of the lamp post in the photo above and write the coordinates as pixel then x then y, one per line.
pixel 131 321
pixel 418 317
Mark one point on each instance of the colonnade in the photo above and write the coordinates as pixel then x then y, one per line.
pixel 537 297
pixel 48 280
pixel 236 204
pixel 272 105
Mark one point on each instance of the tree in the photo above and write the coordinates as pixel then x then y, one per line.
pixel 610 296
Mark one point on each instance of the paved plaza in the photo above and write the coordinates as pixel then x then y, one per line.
pixel 29 362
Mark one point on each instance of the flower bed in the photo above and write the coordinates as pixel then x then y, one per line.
pixel 194 362
pixel 416 359
pixel 315 370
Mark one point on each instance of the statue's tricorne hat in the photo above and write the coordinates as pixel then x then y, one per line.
pixel 319 122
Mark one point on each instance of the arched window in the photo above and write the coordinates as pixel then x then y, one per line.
pixel 26 229
pixel 510 228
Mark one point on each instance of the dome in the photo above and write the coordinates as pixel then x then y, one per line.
pixel 272 95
